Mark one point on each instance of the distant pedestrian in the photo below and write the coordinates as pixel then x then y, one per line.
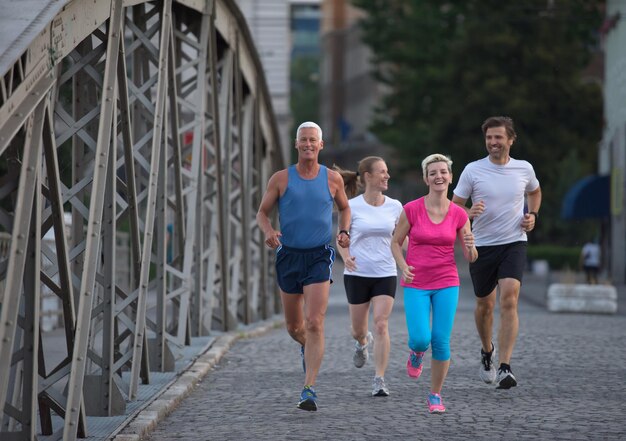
pixel 429 274
pixel 304 193
pixel 370 274
pixel 590 261
pixel 498 186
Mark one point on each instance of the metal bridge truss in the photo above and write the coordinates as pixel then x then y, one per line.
pixel 149 122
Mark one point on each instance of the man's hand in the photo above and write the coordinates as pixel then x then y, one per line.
pixel 272 239
pixel 528 223
pixel 476 209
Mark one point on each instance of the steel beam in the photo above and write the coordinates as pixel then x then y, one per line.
pixel 159 141
pixel 27 191
pixel 88 279
pixel 116 114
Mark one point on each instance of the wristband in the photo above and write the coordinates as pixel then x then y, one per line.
pixel 534 213
pixel 347 233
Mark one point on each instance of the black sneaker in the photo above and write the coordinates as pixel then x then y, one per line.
pixel 506 379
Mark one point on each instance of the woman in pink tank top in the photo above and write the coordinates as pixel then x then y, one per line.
pixel 429 274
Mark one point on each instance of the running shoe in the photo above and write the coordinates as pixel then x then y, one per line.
pixel 414 364
pixel 308 399
pixel 435 403
pixel 302 355
pixel 360 352
pixel 487 368
pixel 379 388
pixel 506 379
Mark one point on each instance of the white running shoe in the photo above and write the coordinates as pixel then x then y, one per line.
pixel 506 379
pixel 360 352
pixel 487 368
pixel 379 388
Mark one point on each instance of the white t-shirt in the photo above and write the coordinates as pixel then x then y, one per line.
pixel 502 188
pixel 591 254
pixel 371 230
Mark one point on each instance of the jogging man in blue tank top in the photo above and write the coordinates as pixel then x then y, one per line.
pixel 305 193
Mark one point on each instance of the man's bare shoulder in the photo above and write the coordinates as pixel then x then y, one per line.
pixel 280 175
pixel 279 180
pixel 334 176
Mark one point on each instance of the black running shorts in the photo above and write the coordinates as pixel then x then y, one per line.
pixel 497 262
pixel 361 289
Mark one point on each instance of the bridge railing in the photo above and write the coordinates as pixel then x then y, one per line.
pixel 149 125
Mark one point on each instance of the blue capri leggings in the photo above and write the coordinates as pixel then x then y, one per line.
pixel 417 307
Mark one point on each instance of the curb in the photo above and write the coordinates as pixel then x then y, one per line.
pixel 168 399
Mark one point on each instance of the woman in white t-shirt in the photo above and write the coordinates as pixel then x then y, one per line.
pixel 370 273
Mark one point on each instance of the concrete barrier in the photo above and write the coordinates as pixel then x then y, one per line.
pixel 564 297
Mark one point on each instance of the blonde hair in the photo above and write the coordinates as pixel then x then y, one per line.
pixel 435 157
pixel 353 180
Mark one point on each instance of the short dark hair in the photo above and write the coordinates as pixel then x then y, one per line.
pixel 500 121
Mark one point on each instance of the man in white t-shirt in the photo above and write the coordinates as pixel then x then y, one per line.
pixel 498 186
pixel 590 261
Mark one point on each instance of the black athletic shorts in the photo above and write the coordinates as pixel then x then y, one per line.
pixel 361 289
pixel 296 267
pixel 497 262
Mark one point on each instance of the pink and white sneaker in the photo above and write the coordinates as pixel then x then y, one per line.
pixel 414 364
pixel 435 403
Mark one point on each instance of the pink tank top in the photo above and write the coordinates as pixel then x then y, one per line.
pixel 431 246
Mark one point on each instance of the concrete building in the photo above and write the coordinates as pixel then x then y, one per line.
pixel 287 29
pixel 613 147
pixel 603 196
pixel 305 63
pixel 348 90
pixel 345 68
pixel 305 28
pixel 349 93
pixel 270 24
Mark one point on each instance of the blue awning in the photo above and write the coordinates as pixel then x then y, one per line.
pixel 588 198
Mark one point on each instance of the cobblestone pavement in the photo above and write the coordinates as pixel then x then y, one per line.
pixel 570 369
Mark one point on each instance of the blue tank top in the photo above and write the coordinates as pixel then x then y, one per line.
pixel 305 210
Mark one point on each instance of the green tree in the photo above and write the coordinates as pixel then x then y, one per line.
pixel 412 43
pixel 305 93
pixel 449 65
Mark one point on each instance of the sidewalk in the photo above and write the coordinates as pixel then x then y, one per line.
pixel 569 367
